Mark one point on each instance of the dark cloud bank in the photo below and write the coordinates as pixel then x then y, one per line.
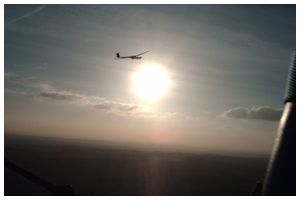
pixel 255 113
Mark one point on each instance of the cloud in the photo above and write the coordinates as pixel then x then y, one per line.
pixel 28 81
pixel 115 107
pixel 239 112
pixel 61 95
pixel 34 11
pixel 103 106
pixel 45 90
pixel 121 108
pixel 16 92
pixel 255 113
pixel 128 107
pixel 14 77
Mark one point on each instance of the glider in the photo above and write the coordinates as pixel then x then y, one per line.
pixel 138 56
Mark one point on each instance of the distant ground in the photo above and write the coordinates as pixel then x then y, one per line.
pixel 108 170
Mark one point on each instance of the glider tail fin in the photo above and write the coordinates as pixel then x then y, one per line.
pixel 118 55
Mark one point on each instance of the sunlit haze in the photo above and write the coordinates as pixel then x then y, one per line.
pixel 213 79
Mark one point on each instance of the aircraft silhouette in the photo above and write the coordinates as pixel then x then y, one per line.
pixel 138 56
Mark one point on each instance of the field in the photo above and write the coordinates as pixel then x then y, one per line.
pixel 106 169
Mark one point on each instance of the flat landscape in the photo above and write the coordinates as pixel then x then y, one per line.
pixel 105 169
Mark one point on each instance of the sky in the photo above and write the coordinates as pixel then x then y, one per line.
pixel 223 70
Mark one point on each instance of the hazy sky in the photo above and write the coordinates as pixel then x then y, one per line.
pixel 227 65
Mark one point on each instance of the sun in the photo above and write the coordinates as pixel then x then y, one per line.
pixel 151 81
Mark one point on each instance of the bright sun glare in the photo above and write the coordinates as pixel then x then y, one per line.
pixel 151 81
